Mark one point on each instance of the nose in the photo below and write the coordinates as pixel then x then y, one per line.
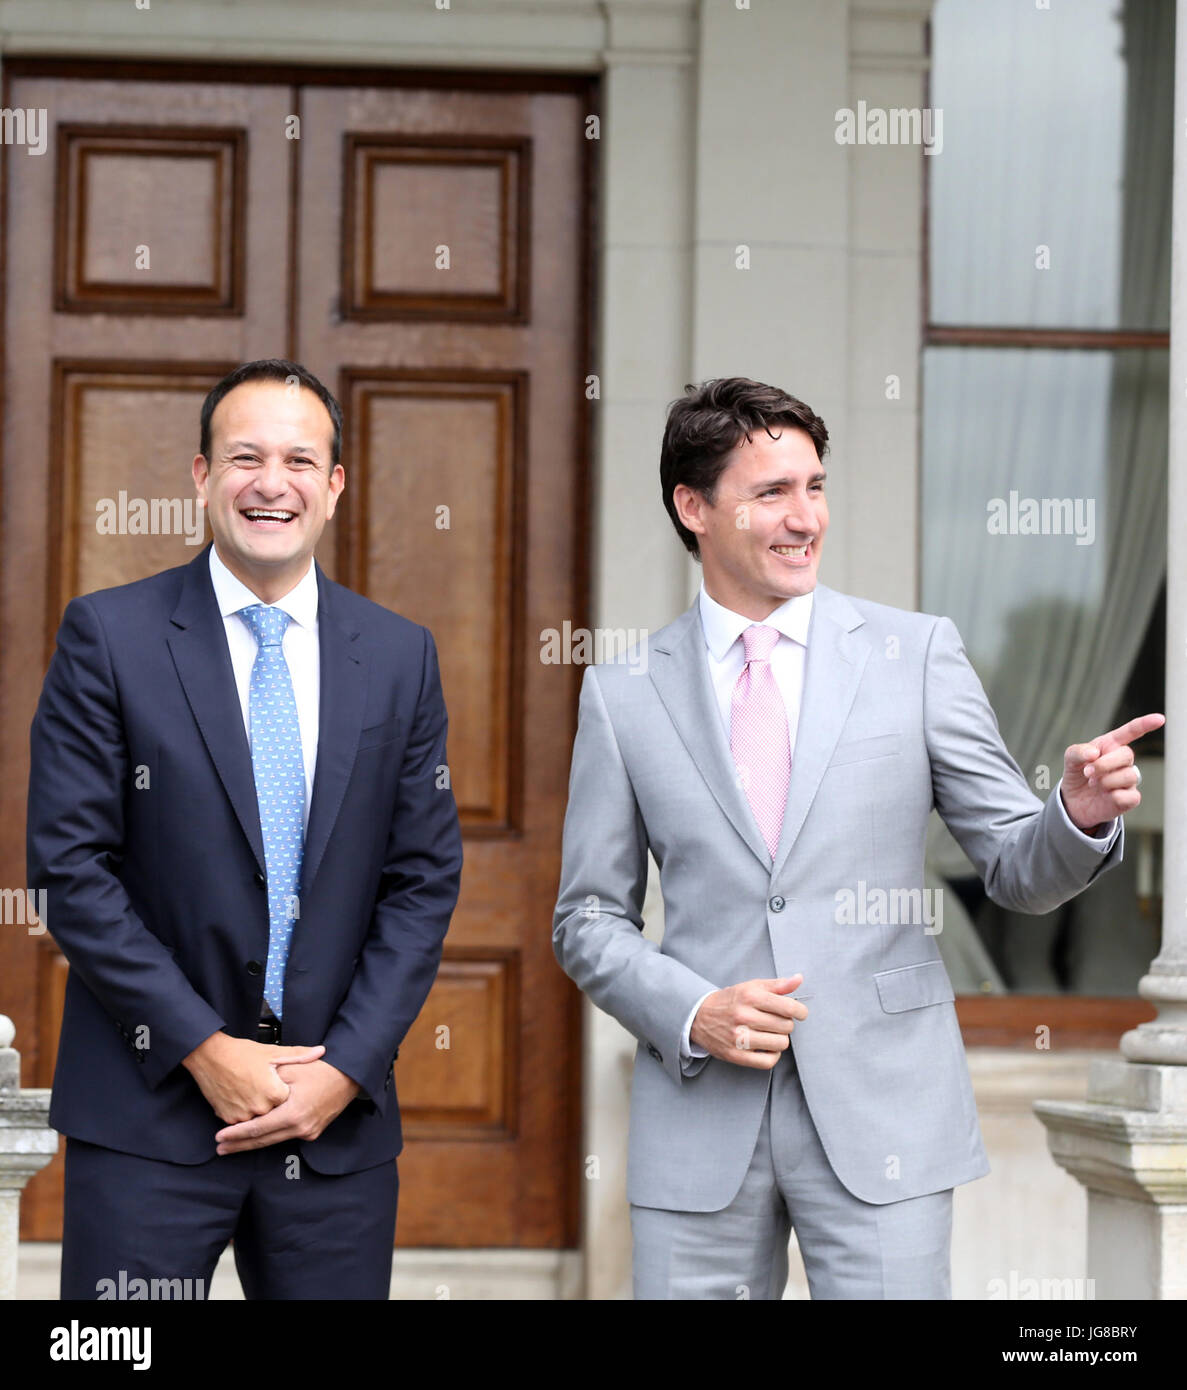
pixel 272 479
pixel 799 519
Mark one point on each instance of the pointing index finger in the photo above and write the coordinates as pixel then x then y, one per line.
pixel 1130 731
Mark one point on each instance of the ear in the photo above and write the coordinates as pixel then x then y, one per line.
pixel 201 472
pixel 689 505
pixel 337 483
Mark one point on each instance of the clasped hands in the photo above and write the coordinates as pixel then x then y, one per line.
pixel 265 1093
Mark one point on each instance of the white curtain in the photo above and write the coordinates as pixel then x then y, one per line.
pixel 1052 626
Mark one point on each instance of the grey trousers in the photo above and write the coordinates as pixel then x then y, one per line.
pixel 850 1248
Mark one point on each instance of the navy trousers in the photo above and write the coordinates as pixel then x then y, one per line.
pixel 296 1233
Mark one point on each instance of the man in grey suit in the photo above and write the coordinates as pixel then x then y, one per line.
pixel 779 756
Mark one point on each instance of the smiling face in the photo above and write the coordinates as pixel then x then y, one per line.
pixel 270 486
pixel 761 536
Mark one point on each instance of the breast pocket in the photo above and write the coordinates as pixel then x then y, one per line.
pixel 375 735
pixel 860 750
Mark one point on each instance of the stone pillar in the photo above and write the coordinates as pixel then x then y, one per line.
pixel 26 1145
pixel 647 155
pixel 1127 1143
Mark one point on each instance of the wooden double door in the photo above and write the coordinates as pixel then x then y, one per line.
pixel 422 245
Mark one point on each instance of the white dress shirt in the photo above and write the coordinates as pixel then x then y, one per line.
pixel 726 655
pixel 300 647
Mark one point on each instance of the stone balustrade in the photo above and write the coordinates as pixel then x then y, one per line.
pixel 26 1145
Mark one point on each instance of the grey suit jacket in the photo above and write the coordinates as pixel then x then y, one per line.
pixel 893 722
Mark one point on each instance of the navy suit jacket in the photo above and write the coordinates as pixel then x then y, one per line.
pixel 144 830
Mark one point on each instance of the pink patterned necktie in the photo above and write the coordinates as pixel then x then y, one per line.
pixel 758 735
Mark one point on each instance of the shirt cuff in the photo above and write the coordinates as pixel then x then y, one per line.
pixel 1101 843
pixel 688 1048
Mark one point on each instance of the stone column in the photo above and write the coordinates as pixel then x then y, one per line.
pixel 1127 1143
pixel 26 1145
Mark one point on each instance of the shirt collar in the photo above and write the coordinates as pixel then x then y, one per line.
pixel 722 626
pixel 231 594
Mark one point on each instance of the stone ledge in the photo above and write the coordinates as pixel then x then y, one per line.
pixel 21 1108
pixel 1136 1154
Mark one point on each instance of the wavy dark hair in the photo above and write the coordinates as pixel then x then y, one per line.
pixel 710 420
pixel 271 369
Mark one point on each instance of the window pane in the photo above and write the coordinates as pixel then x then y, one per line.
pixel 1044 527
pixel 1057 132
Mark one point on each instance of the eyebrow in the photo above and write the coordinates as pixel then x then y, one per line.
pixel 259 448
pixel 784 482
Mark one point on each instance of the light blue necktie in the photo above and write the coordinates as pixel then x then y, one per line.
pixel 280 786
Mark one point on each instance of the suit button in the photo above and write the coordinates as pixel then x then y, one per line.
pixel 254 967
pixel 260 880
pixel 655 1052
pixel 777 904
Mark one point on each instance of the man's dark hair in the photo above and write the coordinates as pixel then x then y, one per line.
pixel 271 369
pixel 711 419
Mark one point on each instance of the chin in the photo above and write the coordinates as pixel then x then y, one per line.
pixel 796 583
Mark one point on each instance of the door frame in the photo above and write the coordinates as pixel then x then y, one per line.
pixel 557 1270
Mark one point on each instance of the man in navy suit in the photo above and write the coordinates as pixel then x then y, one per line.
pixel 239 805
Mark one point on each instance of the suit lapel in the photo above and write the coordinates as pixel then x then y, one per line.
pixel 835 660
pixel 679 670
pixel 340 717
pixel 203 664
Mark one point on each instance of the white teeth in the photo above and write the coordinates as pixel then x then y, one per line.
pixel 259 513
pixel 796 552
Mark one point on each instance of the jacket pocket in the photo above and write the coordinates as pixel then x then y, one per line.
pixel 379 733
pixel 914 987
pixel 857 750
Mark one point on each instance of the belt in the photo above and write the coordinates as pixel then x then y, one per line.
pixel 268 1028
